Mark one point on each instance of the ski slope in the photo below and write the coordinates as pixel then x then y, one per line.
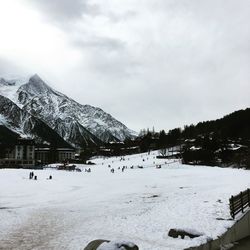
pixel 139 205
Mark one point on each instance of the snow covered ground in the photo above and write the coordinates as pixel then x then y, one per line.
pixel 137 205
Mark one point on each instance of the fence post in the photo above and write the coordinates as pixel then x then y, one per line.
pixel 232 206
pixel 241 202
pixel 248 195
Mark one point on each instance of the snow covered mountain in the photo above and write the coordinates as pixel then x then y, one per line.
pixel 78 124
pixel 24 124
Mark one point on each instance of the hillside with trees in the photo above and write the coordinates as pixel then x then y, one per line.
pixel 223 142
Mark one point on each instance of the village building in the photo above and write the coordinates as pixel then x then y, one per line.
pixel 45 154
pixel 19 153
pixel 65 154
pixel 42 154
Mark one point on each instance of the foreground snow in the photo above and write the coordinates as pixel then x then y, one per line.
pixel 137 205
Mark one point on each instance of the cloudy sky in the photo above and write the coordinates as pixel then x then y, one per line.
pixel 161 63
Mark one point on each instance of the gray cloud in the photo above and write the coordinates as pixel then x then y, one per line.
pixel 105 43
pixel 10 69
pixel 162 63
pixel 63 11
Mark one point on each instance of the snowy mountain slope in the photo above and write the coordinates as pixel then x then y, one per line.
pixel 76 123
pixel 9 88
pixel 24 124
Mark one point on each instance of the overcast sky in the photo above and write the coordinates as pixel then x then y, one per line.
pixel 161 63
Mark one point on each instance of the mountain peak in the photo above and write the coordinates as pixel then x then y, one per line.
pixel 36 85
pixel 36 78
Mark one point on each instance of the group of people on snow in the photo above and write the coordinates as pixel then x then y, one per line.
pixel 32 176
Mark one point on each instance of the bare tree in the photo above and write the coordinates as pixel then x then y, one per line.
pixel 163 151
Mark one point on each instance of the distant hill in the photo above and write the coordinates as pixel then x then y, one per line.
pixel 233 126
pixel 221 142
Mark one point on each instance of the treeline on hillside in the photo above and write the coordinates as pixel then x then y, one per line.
pixel 233 126
pixel 224 141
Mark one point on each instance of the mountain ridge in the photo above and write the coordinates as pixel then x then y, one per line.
pixel 80 125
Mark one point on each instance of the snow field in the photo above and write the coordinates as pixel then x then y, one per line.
pixel 137 205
